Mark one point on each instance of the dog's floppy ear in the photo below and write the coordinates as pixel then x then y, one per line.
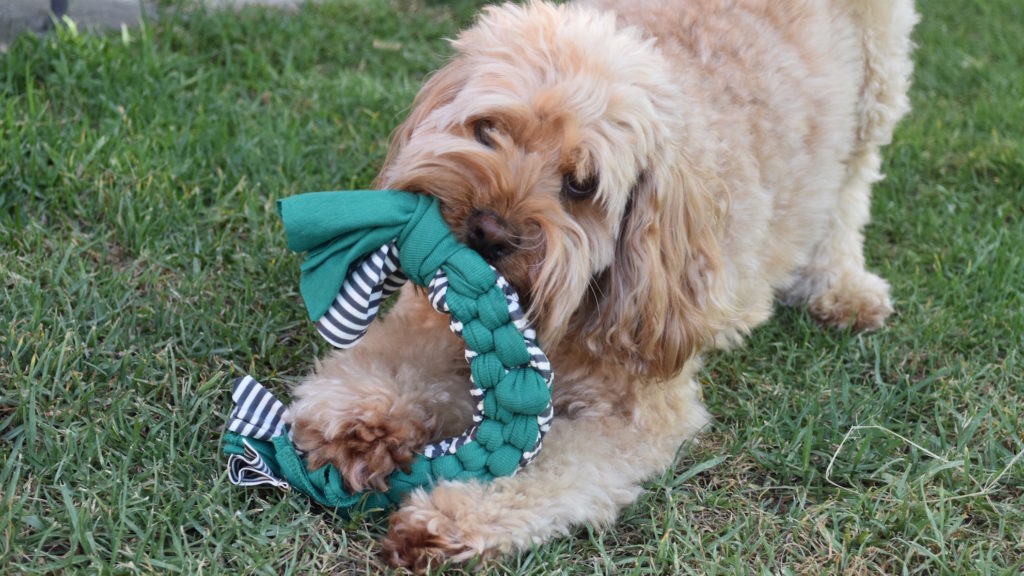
pixel 440 89
pixel 656 303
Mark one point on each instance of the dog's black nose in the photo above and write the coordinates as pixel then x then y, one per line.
pixel 489 235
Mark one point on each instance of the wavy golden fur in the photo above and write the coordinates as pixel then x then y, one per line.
pixel 649 175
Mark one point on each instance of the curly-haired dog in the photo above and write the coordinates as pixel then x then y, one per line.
pixel 649 175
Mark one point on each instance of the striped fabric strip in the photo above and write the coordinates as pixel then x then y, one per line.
pixel 257 414
pixel 249 469
pixel 354 308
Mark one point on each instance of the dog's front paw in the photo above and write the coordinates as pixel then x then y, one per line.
pixel 860 301
pixel 422 537
pixel 365 443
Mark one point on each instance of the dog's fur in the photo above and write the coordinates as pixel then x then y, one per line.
pixel 734 144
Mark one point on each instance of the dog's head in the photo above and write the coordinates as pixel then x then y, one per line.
pixel 557 146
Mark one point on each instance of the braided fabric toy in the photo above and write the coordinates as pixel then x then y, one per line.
pixel 361 246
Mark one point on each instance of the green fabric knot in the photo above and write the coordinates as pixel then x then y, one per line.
pixel 337 229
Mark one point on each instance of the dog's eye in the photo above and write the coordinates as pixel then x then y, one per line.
pixel 576 190
pixel 482 132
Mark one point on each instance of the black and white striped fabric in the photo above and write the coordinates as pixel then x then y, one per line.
pixel 259 415
pixel 370 283
pixel 377 277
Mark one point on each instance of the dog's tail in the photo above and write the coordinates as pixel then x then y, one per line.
pixel 884 28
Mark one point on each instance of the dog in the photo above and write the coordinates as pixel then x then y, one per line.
pixel 650 175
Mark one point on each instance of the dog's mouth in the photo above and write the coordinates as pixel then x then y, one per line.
pixel 514 247
pixel 503 244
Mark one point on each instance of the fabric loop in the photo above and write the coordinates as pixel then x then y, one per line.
pixel 460 306
pixel 509 345
pixel 490 435
pixel 504 460
pixel 521 432
pixel 425 242
pixel 352 239
pixel 522 391
pixel 493 309
pixel 472 456
pixel 468 273
pixel 477 336
pixel 487 370
pixel 446 466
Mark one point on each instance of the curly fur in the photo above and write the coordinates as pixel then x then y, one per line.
pixel 733 144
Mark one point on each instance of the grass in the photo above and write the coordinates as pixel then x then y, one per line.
pixel 142 267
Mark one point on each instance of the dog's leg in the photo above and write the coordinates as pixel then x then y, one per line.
pixel 588 470
pixel 369 409
pixel 837 288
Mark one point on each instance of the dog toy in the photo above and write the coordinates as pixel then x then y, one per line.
pixel 361 246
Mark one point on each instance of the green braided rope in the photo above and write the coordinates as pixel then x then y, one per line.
pixel 337 229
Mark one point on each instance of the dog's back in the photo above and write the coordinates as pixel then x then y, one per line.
pixel 802 94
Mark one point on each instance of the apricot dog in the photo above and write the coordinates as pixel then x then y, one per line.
pixel 649 175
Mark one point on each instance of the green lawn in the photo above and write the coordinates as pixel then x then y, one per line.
pixel 142 267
